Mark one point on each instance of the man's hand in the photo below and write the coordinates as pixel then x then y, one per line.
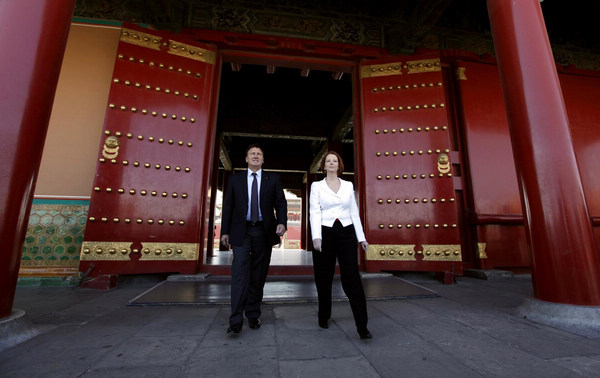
pixel 225 240
pixel 317 244
pixel 280 230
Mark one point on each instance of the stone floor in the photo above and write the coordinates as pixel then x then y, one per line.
pixel 470 330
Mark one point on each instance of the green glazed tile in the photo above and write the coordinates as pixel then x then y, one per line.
pixel 58 220
pixel 46 220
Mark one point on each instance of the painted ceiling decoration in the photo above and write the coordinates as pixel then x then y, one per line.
pixel 400 25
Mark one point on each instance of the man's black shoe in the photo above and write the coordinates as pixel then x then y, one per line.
pixel 235 328
pixel 254 323
pixel 323 324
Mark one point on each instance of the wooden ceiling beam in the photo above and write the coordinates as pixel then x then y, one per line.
pixel 274 136
pixel 338 135
pixel 344 126
pixel 224 157
pixel 316 164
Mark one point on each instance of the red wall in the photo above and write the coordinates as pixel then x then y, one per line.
pixel 494 190
pixel 582 99
pixel 494 181
pixel 495 201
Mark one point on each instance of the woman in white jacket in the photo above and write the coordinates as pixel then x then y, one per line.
pixel 336 229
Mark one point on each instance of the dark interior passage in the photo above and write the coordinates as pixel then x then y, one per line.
pixel 292 113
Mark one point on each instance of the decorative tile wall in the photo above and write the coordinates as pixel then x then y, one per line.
pixel 54 237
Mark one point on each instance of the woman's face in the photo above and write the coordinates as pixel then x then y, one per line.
pixel 331 164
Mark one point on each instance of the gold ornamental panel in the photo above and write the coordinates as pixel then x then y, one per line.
pixel 141 39
pixel 191 52
pixel 391 252
pixel 108 251
pixel 481 248
pixel 377 70
pixel 422 66
pixel 150 251
pixel 441 252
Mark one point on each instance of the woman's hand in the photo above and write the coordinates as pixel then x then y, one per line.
pixel 317 244
pixel 364 245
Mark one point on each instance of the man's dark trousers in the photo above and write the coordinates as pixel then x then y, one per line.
pixel 249 272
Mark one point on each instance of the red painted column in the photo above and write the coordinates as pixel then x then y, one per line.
pixel 33 36
pixel 564 256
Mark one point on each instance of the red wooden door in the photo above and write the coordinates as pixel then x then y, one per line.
pixel 151 180
pixel 410 202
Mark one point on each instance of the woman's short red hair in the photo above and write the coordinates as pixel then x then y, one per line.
pixel 340 162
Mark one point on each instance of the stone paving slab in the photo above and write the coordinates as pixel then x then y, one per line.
pixel 340 367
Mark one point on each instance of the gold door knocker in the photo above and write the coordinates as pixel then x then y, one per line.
pixel 443 163
pixel 110 150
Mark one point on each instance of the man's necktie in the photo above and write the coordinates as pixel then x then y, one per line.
pixel 254 200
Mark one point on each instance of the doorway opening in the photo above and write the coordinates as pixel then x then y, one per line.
pixel 296 115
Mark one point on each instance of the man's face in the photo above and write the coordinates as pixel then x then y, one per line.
pixel 255 158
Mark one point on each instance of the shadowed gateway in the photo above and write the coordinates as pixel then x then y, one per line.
pixel 291 112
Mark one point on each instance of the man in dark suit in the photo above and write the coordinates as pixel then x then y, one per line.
pixel 253 219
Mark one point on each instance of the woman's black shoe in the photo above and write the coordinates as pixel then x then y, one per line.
pixel 323 324
pixel 365 334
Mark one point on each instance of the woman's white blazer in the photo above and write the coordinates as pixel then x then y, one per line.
pixel 326 206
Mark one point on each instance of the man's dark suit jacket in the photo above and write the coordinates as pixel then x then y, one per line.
pixel 273 206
